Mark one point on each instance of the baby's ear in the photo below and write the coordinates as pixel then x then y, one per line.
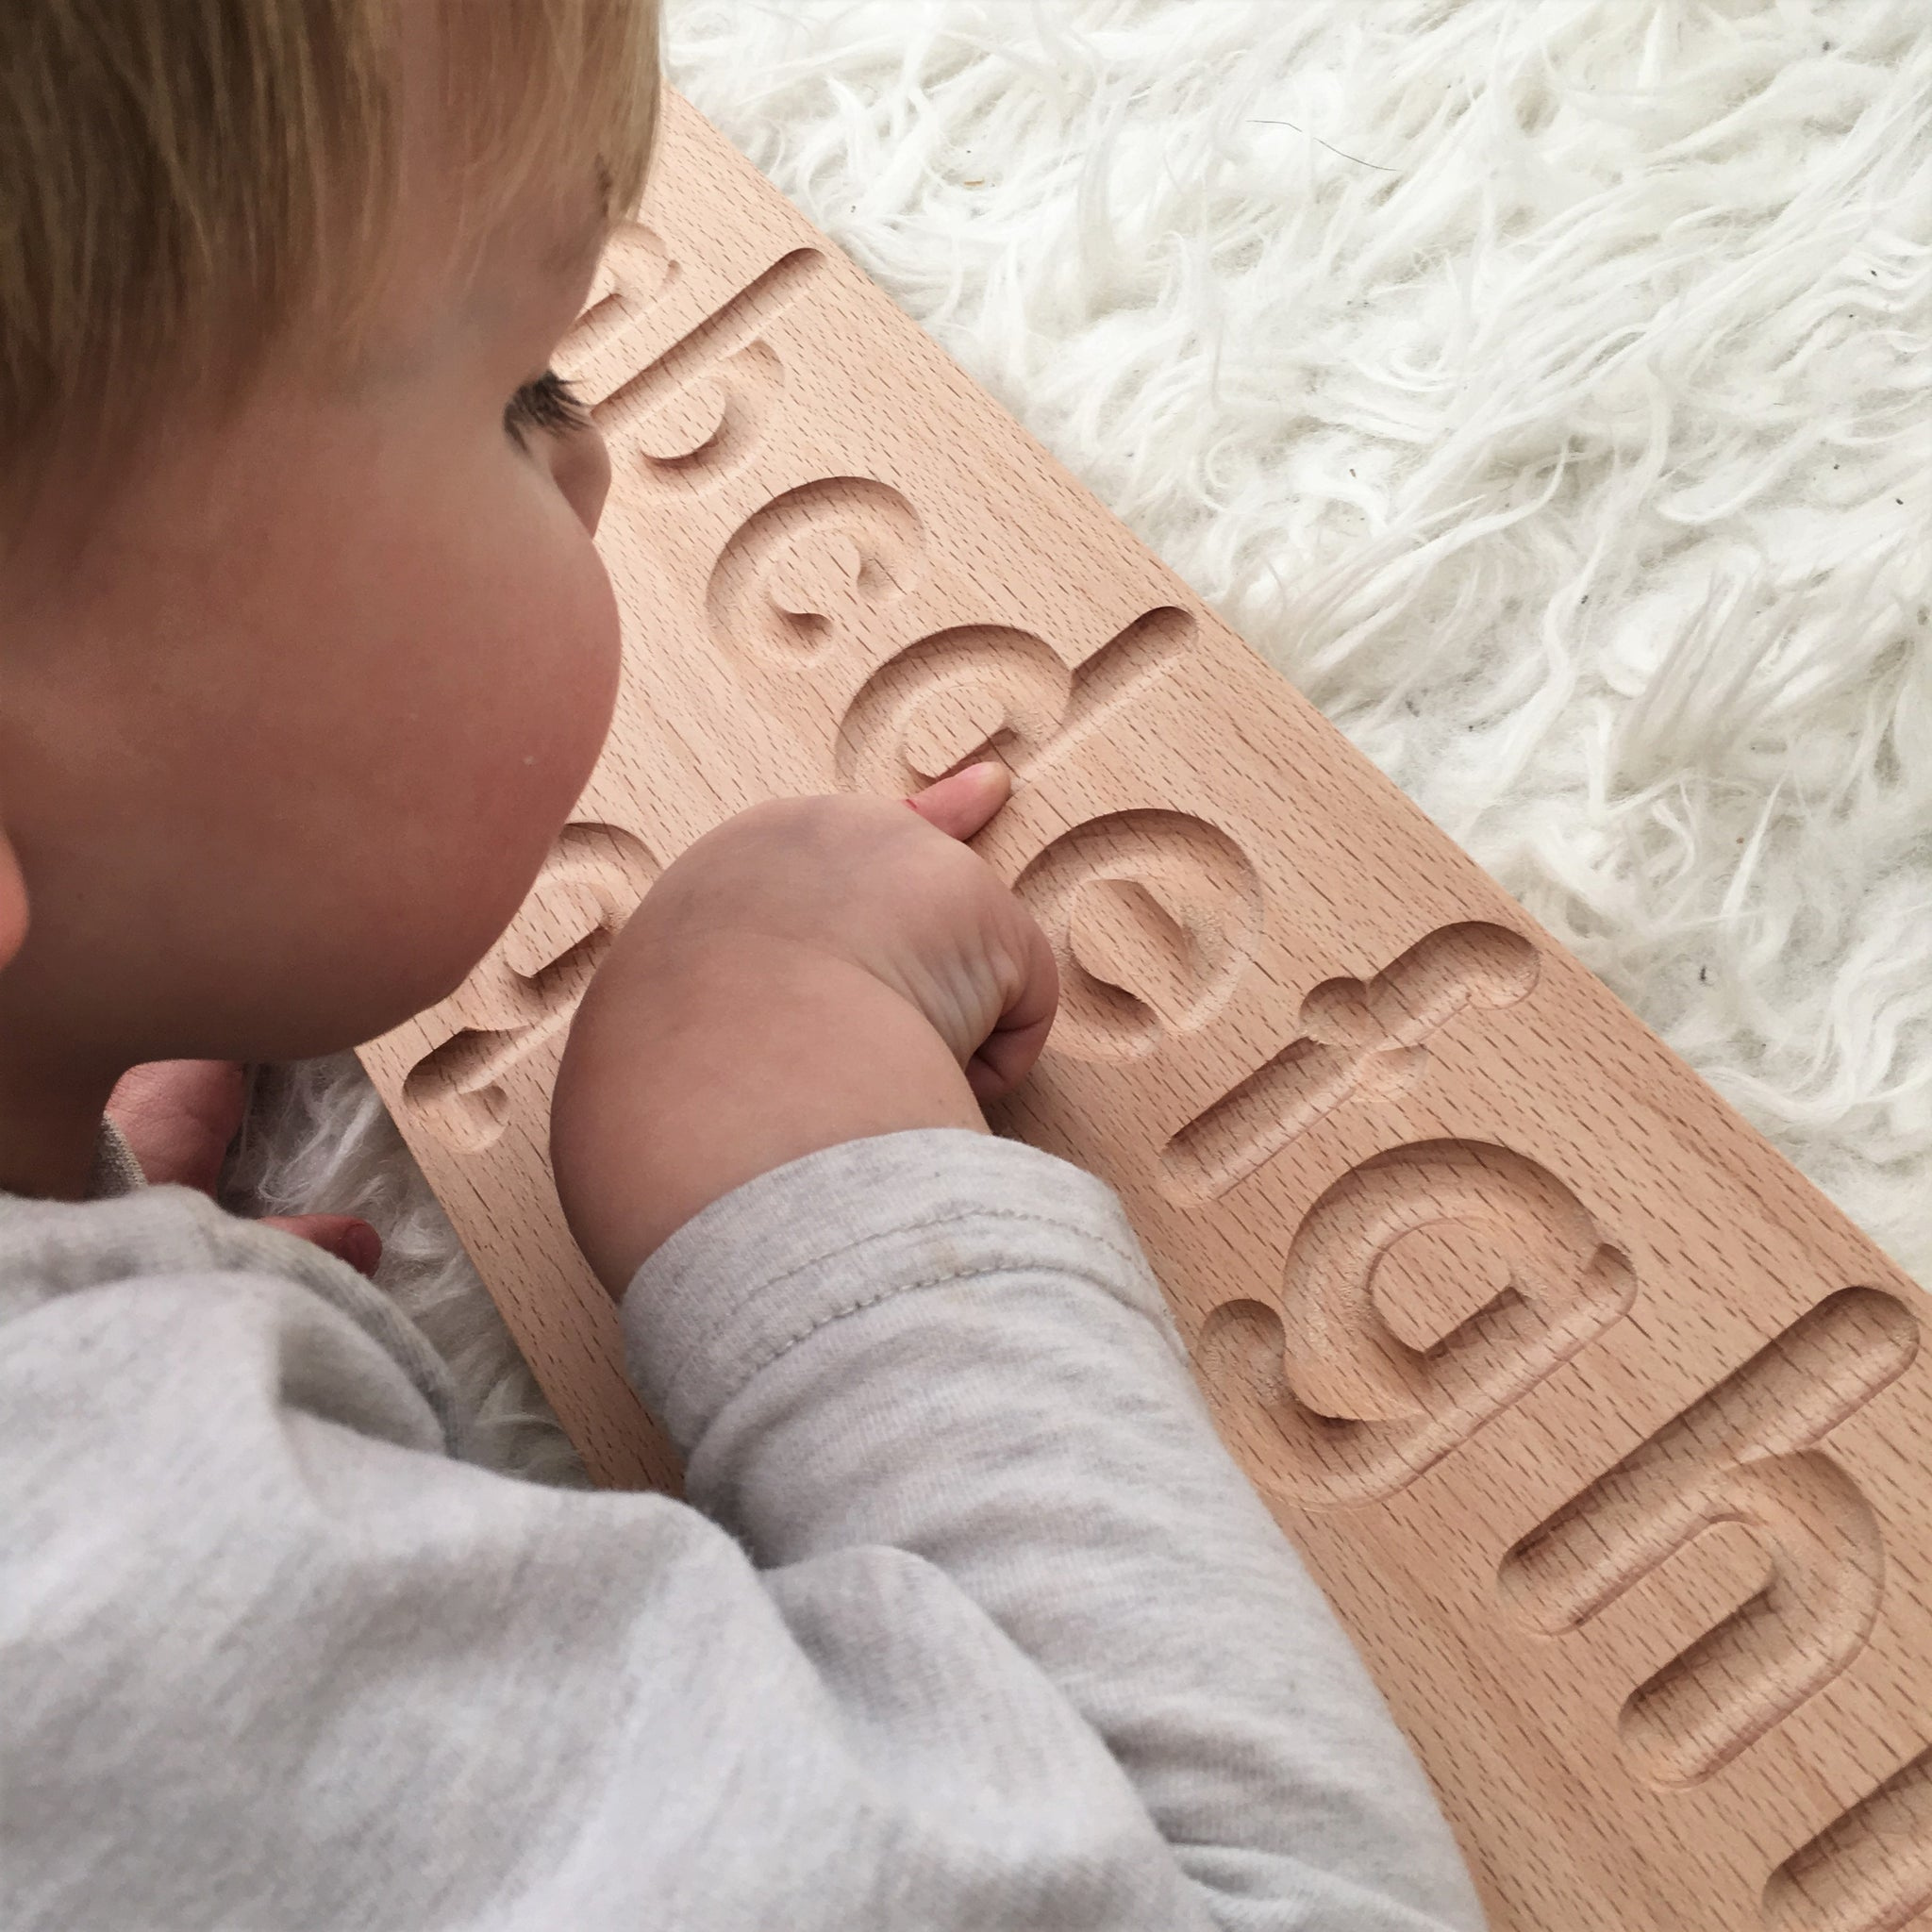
pixel 13 902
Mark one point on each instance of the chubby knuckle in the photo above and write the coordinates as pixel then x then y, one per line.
pixel 757 822
pixel 815 818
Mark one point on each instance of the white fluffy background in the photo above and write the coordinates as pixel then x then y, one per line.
pixel 1544 385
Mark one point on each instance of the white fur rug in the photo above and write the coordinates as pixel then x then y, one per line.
pixel 1545 386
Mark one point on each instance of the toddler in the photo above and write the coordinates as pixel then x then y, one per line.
pixel 967 1621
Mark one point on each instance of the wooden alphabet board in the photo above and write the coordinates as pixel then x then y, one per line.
pixel 1610 1440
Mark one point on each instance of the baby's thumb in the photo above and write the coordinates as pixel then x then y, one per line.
pixel 340 1235
pixel 961 804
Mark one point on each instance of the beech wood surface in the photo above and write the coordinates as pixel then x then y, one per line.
pixel 1608 1437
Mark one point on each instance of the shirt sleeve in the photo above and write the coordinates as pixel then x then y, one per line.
pixel 935 1644
pixel 950 1345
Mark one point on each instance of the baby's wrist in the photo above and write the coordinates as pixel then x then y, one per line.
pixel 741 1060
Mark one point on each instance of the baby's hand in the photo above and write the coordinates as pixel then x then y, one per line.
pixel 814 971
pixel 178 1118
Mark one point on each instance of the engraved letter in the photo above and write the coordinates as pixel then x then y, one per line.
pixel 824 567
pixel 528 984
pixel 696 416
pixel 601 349
pixel 983 690
pixel 1744 1452
pixel 1869 1870
pixel 1428 1290
pixel 1357 1037
pixel 1152 916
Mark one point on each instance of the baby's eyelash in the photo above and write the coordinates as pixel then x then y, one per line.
pixel 548 404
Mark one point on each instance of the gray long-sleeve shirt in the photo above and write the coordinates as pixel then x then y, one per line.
pixel 969 1622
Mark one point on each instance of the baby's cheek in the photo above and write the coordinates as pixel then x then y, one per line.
pixel 549 679
pixel 573 658
pixel 499 679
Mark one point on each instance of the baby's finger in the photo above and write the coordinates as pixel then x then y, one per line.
pixel 340 1235
pixel 961 804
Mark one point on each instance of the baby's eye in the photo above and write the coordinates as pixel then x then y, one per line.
pixel 548 404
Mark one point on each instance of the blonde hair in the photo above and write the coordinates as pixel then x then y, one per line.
pixel 183 182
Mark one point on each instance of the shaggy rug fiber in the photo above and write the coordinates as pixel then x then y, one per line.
pixel 1544 385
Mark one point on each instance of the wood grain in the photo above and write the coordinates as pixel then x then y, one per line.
pixel 1608 1436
